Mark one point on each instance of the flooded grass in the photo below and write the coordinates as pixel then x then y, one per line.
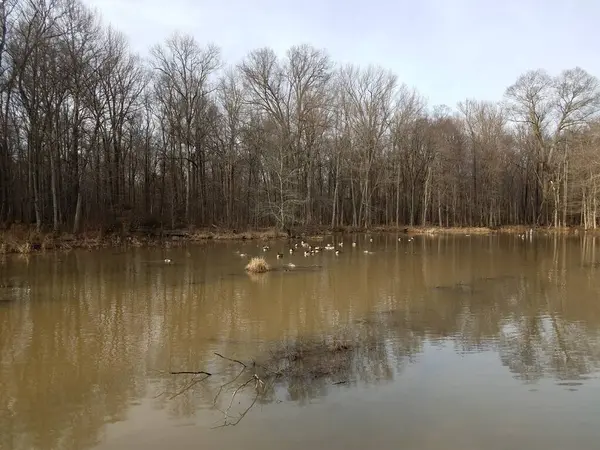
pixel 24 240
pixel 231 235
pixel 449 230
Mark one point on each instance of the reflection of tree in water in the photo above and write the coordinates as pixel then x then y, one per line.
pixel 69 354
pixel 537 347
pixel 302 369
pixel 524 321
pixel 92 337
pixel 474 315
pixel 518 348
pixel 310 367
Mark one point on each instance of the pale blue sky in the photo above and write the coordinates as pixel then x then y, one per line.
pixel 449 50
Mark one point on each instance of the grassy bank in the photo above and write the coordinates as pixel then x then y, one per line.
pixel 506 229
pixel 23 240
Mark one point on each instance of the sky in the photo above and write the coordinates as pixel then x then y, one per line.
pixel 450 50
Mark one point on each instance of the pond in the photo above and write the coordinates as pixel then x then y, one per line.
pixel 434 342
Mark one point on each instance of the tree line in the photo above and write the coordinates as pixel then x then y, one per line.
pixel 92 134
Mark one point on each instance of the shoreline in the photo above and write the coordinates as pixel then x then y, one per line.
pixel 22 240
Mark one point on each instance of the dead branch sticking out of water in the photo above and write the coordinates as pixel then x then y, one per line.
pixel 232 360
pixel 254 377
pixel 189 372
pixel 296 363
pixel 194 381
pixel 259 385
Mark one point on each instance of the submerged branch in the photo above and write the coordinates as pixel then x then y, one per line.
pixel 238 389
pixel 190 385
pixel 187 372
pixel 242 415
pixel 227 384
pixel 323 361
pixel 232 360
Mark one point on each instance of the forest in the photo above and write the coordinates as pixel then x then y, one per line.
pixel 92 134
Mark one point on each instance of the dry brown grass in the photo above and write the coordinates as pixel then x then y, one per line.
pixel 519 229
pixel 258 265
pixel 415 230
pixel 15 241
pixel 385 229
pixel 225 235
pixel 22 239
pixel 201 236
pixel 449 230
pixel 508 229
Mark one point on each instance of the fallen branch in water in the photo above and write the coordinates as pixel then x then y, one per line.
pixel 259 386
pixel 225 385
pixel 229 359
pixel 189 386
pixel 254 364
pixel 302 362
pixel 187 372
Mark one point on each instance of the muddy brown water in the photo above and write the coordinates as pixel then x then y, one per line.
pixel 461 342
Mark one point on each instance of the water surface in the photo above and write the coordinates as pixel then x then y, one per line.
pixel 464 342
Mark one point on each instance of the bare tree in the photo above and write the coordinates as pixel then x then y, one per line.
pixel 549 107
pixel 369 97
pixel 486 135
pixel 308 73
pixel 231 99
pixel 182 86
pixel 92 135
pixel 409 108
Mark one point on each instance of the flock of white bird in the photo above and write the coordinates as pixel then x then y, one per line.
pixel 311 250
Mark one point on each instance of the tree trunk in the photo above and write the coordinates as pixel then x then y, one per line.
pixel 440 208
pixel 335 190
pixel 594 203
pixel 565 196
pixel 55 222
pixel 426 197
pixel 398 196
pixel 78 207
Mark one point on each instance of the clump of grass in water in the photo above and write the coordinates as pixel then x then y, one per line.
pixel 23 248
pixel 258 265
